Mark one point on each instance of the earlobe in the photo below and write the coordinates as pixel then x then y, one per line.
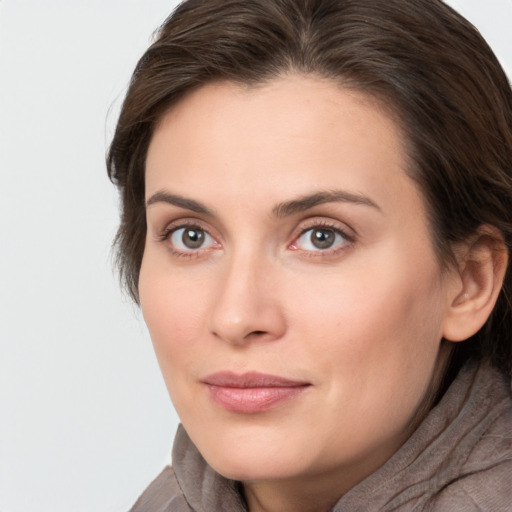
pixel 482 263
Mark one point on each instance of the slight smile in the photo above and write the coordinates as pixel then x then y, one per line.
pixel 251 392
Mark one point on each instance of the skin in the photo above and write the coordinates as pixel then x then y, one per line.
pixel 360 321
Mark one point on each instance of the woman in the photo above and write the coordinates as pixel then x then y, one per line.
pixel 316 222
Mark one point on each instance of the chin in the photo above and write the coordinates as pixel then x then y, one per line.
pixel 261 468
pixel 252 458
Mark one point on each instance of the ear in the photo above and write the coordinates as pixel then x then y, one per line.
pixel 482 263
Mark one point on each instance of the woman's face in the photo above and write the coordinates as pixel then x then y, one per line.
pixel 289 282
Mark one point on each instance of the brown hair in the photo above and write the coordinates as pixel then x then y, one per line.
pixel 420 57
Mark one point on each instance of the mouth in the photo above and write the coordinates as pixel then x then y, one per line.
pixel 251 392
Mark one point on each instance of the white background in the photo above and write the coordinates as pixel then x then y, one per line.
pixel 85 421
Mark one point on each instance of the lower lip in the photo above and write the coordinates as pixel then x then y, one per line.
pixel 252 400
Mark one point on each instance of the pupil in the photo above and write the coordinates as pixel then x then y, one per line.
pixel 322 238
pixel 193 238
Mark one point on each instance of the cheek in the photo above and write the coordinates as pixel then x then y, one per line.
pixel 373 344
pixel 174 311
pixel 383 320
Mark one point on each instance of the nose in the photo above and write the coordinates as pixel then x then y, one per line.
pixel 247 307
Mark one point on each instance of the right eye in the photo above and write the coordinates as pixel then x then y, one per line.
pixel 190 238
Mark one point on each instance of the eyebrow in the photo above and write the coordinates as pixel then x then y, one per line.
pixel 181 202
pixel 309 201
pixel 281 210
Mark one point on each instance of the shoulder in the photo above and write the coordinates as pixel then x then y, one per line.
pixel 162 495
pixel 484 482
pixel 482 491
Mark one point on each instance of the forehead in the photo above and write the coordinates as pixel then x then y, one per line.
pixel 285 137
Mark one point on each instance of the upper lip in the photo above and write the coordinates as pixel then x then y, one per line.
pixel 230 379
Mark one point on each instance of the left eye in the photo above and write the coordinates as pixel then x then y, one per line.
pixel 190 238
pixel 320 239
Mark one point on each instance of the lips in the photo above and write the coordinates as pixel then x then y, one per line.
pixel 251 392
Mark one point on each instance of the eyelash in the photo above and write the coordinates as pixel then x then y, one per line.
pixel 166 235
